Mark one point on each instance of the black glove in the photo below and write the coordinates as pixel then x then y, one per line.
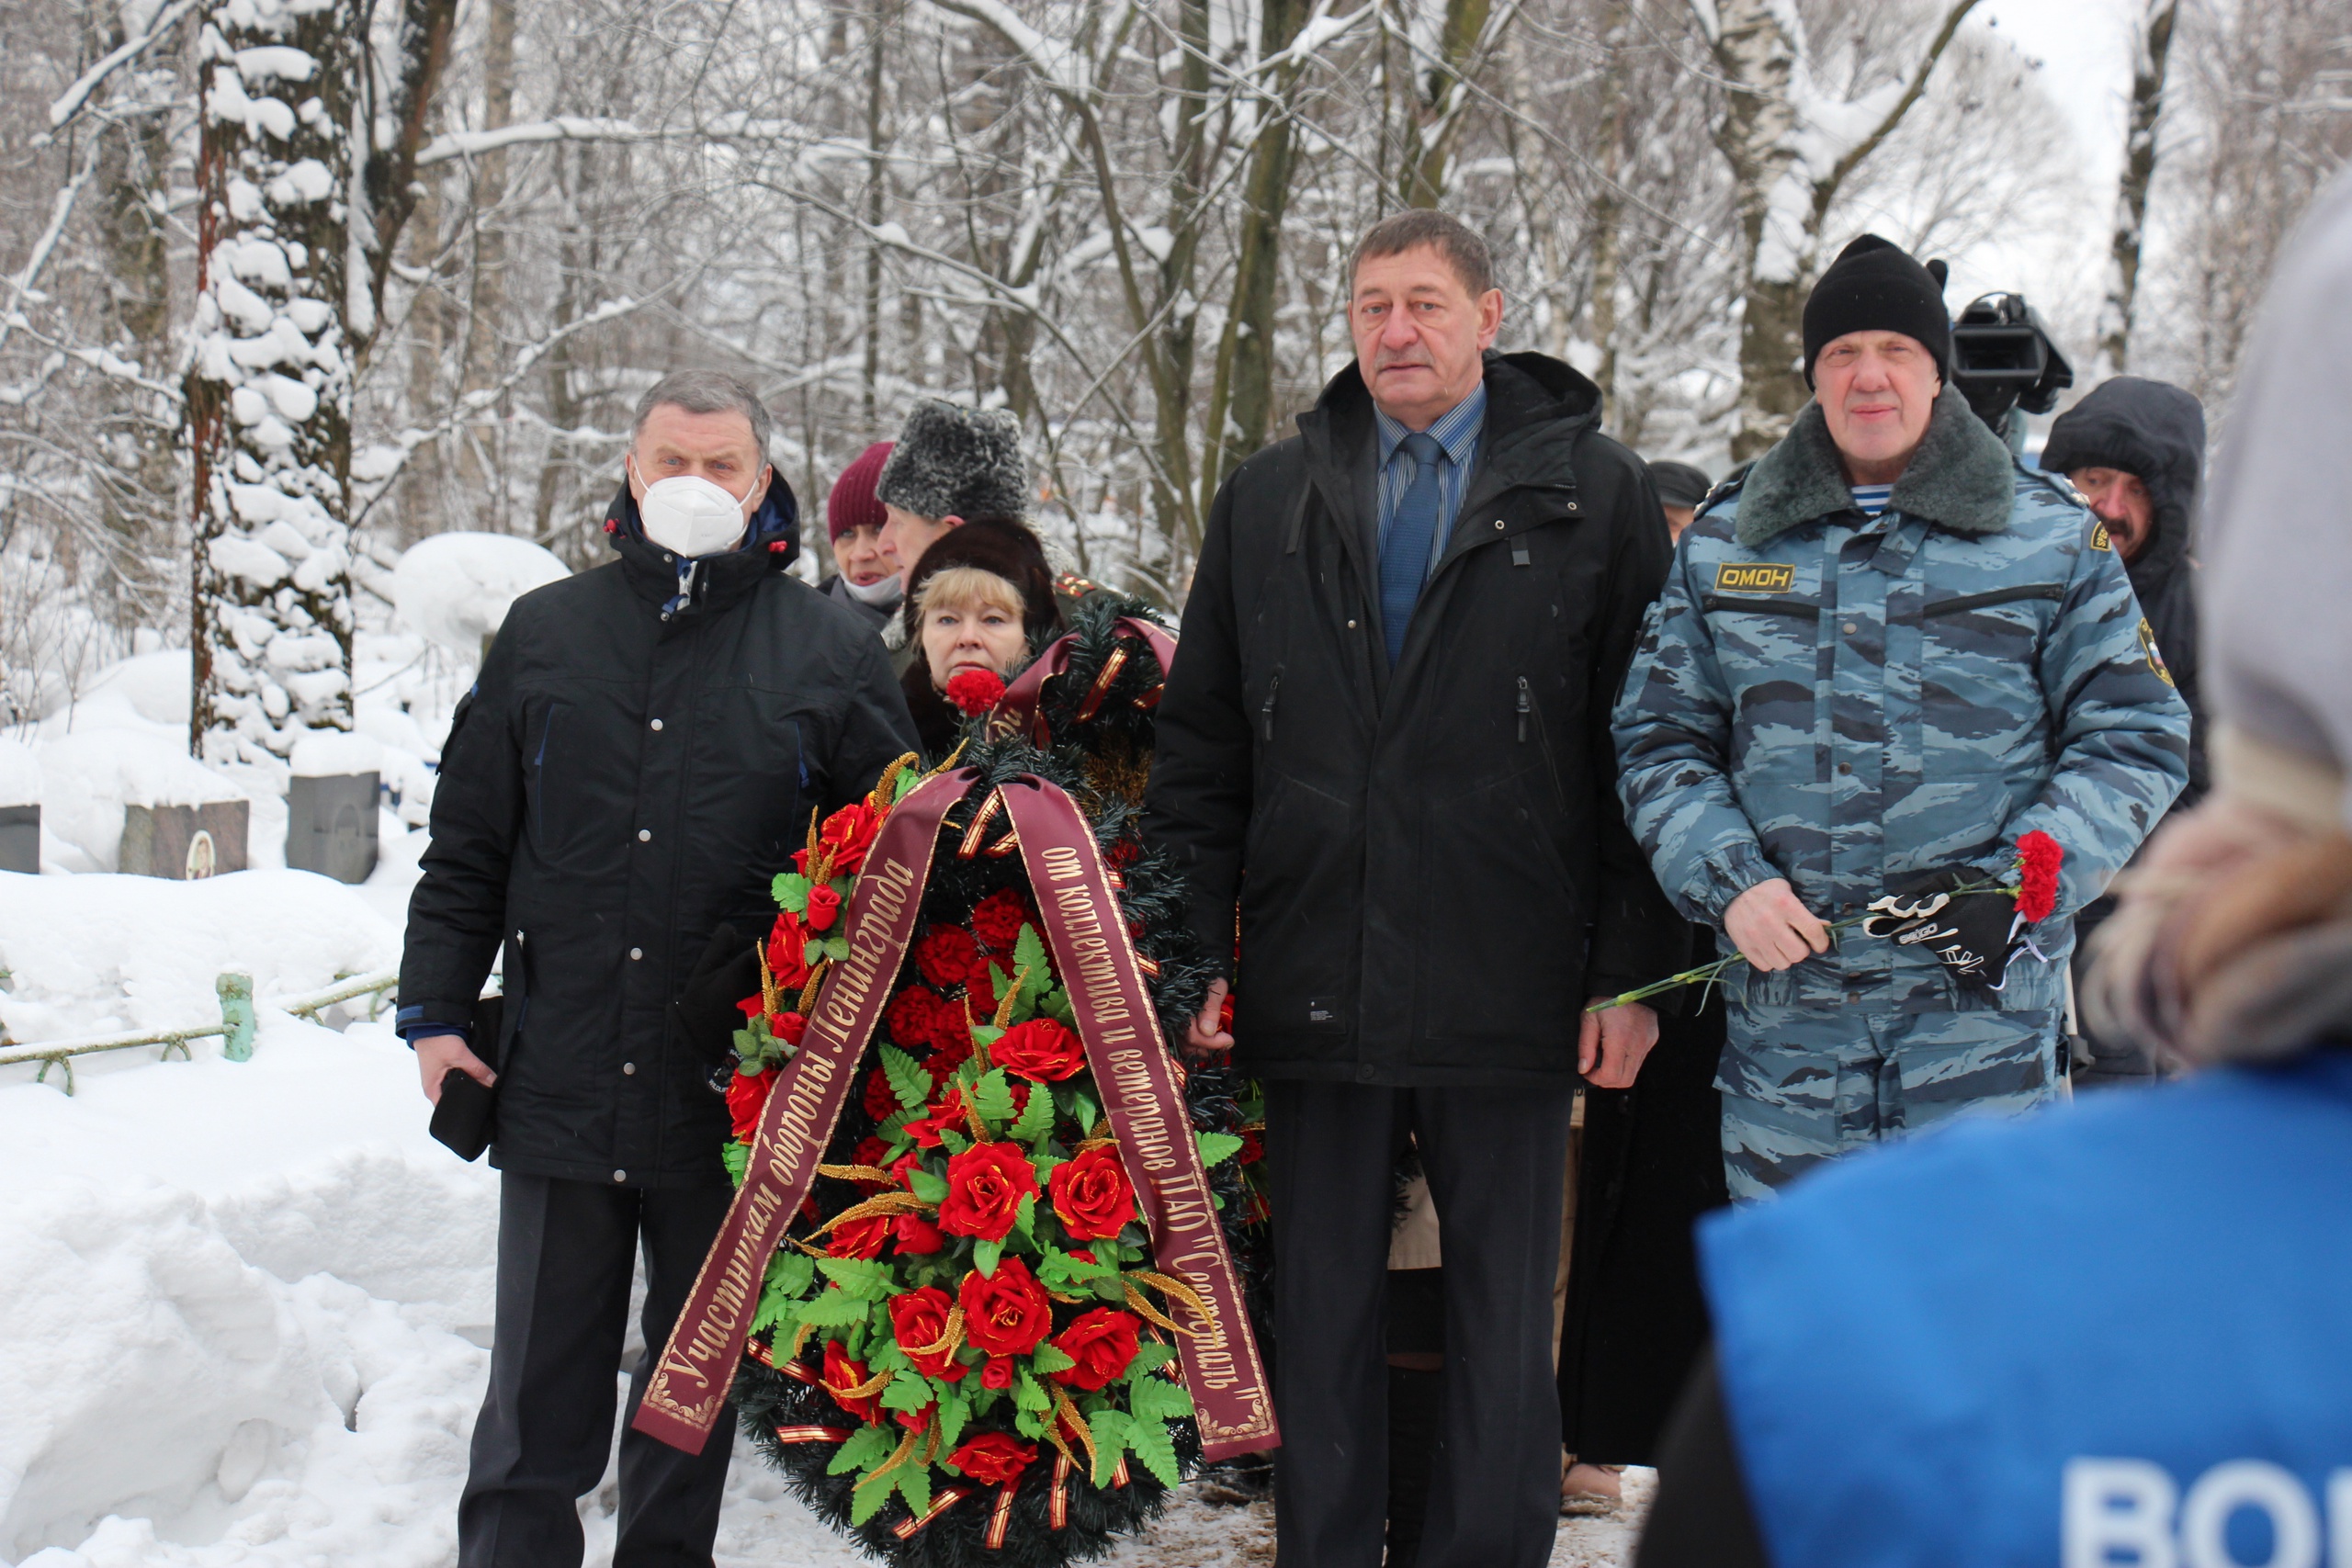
pixel 705 1016
pixel 1972 934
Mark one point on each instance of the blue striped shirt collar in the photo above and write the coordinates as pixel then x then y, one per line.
pixel 1456 430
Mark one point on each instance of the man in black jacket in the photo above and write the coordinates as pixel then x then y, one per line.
pixel 2136 450
pixel 1386 740
pixel 640 757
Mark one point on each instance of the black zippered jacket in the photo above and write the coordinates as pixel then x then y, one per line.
pixel 633 767
pixel 1431 868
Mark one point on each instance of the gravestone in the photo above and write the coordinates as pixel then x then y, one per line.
pixel 331 825
pixel 20 839
pixel 185 843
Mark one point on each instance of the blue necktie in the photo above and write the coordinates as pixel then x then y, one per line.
pixel 1404 553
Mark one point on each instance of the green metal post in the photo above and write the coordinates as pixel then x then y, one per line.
pixel 236 1012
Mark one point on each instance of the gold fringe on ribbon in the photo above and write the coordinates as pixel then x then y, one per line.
pixel 879 1205
pixel 1153 1314
pixel 813 1434
pixel 858 1173
pixel 981 821
pixel 950 1338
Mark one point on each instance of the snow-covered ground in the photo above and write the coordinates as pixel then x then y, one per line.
pixel 243 1306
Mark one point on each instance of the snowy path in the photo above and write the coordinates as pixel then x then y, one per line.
pixel 243 1304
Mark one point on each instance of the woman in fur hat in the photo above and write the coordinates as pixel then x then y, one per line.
pixel 981 597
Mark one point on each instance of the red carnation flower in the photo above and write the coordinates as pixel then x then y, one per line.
pixel 2039 858
pixel 997 919
pixel 1091 1194
pixel 918 1319
pixel 992 1459
pixel 975 691
pixel 946 955
pixel 824 908
pixel 747 1097
pixel 859 1238
pixel 842 1374
pixel 788 951
pixel 943 1063
pixel 908 1018
pixel 878 1099
pixel 917 1237
pixel 1041 1049
pixel 985 1186
pixel 1102 1343
pixel 1006 1313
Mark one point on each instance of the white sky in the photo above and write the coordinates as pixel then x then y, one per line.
pixel 2084 50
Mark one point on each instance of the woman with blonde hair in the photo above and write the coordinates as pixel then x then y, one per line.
pixel 981 600
pixel 2118 1332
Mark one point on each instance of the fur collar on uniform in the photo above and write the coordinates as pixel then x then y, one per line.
pixel 1960 477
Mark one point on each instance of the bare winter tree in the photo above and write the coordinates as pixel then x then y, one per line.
pixel 2151 52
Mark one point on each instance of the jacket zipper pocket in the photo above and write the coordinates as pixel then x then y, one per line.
pixel 1266 712
pixel 2054 591
pixel 1526 706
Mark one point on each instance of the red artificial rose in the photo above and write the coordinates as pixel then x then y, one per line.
pixel 993 1458
pixel 985 1186
pixel 918 1319
pixel 788 951
pixel 848 834
pixel 859 1238
pixel 946 955
pixel 747 1096
pixel 1041 1049
pixel 2039 858
pixel 842 1373
pixel 788 1027
pixel 751 1006
pixel 824 908
pixel 1102 1342
pixel 1093 1195
pixel 975 690
pixel 917 1237
pixel 948 1113
pixel 1254 1147
pixel 918 1421
pixel 878 1099
pixel 1006 1313
pixel 997 919
pixel 997 1372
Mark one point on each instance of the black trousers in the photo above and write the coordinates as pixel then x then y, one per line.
pixel 1494 1158
pixel 565 1256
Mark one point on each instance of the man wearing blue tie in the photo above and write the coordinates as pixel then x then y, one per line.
pixel 1384 758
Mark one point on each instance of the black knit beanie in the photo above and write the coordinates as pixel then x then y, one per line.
pixel 1875 286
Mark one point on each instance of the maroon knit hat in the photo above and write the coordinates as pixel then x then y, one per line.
pixel 851 504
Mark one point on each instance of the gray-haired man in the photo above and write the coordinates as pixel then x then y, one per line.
pixel 636 761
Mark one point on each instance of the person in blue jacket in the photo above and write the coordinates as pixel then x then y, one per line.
pixel 1900 1378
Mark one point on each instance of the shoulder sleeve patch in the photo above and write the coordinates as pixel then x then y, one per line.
pixel 2155 654
pixel 2099 541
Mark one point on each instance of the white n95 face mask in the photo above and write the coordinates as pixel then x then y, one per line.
pixel 689 516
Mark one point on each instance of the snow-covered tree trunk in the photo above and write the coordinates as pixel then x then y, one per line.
pixel 2151 48
pixel 269 385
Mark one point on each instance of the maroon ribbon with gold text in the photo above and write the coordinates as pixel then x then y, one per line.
pixel 1232 1403
pixel 1017 709
pixel 688 1388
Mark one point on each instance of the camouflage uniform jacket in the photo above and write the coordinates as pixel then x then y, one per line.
pixel 1848 702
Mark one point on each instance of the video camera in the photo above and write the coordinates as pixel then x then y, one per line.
pixel 2003 358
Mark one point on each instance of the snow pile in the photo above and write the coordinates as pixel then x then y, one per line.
pixel 332 753
pixel 455 589
pixel 93 954
pixel 89 777
pixel 19 774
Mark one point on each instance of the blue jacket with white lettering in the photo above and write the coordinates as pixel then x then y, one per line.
pixel 1903 1367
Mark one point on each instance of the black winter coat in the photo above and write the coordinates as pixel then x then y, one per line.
pixel 633 767
pixel 1431 867
pixel 2158 431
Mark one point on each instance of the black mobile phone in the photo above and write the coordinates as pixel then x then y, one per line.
pixel 462 1119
